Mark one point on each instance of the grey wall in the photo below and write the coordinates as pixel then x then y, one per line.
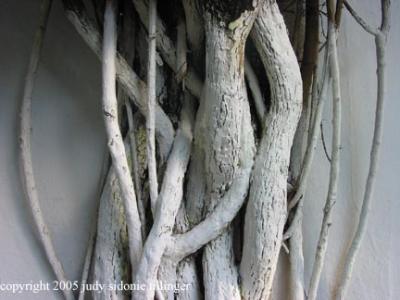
pixel 69 143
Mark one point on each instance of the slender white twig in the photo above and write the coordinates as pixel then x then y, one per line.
pixel 335 165
pixel 317 95
pixel 380 44
pixel 151 103
pixel 27 176
pixel 115 141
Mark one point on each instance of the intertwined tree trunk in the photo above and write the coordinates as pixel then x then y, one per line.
pixel 209 162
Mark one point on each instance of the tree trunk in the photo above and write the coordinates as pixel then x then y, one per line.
pixel 266 210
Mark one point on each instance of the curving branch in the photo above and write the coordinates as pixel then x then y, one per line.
pixel 115 141
pixel 335 163
pixel 266 209
pixel 27 176
pixel 380 44
pixel 133 86
pixel 168 204
pixel 360 20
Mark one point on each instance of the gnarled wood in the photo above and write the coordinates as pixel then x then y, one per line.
pixel 266 210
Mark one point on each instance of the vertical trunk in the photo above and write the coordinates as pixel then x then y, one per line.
pixel 115 141
pixel 266 210
pixel 218 130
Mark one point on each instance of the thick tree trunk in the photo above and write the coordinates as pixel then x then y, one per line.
pixel 218 130
pixel 266 210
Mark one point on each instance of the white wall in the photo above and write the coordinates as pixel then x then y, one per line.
pixel 69 142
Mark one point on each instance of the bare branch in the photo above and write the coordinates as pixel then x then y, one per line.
pixel 133 86
pixel 335 164
pixel 167 205
pixel 27 176
pixel 115 141
pixel 151 103
pixel 360 20
pixel 167 49
pixel 380 44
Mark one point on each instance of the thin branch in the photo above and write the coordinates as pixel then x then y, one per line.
pixel 335 165
pixel 115 141
pixel 27 176
pixel 151 103
pixel 317 96
pixel 133 86
pixel 360 20
pixel 168 204
pixel 167 49
pixel 380 44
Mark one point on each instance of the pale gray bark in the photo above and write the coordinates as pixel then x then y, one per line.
pixel 27 176
pixel 167 49
pixel 151 103
pixel 380 44
pixel 266 210
pixel 115 141
pixel 110 261
pixel 186 272
pixel 217 221
pixel 294 232
pixel 168 204
pixel 335 164
pixel 135 167
pixel 133 86
pixel 218 134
